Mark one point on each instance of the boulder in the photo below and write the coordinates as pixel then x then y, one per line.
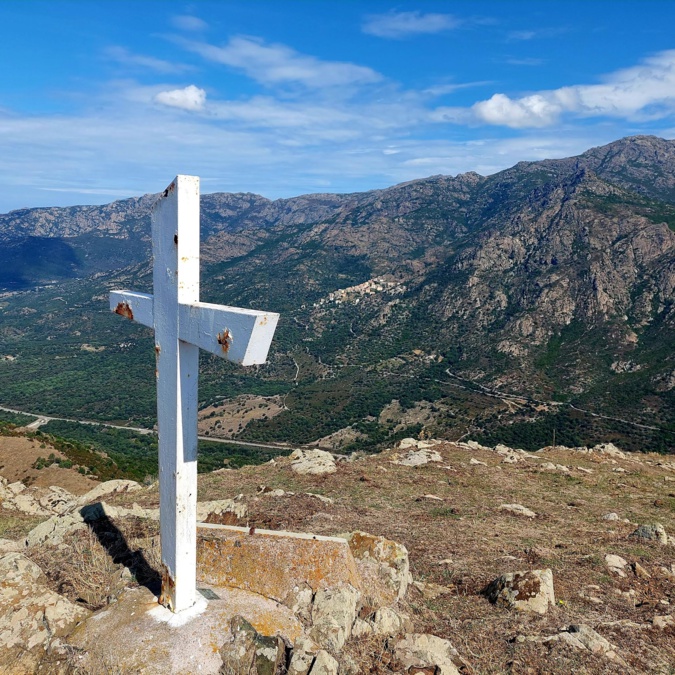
pixel 525 591
pixel 249 653
pixel 419 651
pixel 333 614
pixel 383 565
pixel 324 664
pixel 312 462
pixel 419 457
pixel 652 532
pixel 389 622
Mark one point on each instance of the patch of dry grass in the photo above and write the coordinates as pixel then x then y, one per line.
pixel 101 561
pixel 14 525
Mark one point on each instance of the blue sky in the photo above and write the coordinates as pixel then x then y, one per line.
pixel 105 100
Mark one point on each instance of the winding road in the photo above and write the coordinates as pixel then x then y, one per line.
pixel 44 419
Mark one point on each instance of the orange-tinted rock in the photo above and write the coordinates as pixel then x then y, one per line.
pixel 272 563
pixel 383 565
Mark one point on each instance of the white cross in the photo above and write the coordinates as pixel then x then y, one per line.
pixel 182 325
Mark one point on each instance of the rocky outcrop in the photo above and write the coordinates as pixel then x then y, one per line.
pixel 384 566
pixel 31 615
pixel 312 462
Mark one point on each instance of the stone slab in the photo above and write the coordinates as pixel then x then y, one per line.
pixel 272 563
pixel 149 639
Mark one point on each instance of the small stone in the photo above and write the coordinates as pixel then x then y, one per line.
pixel 611 516
pixel 640 571
pixel 663 622
pixel 517 510
pixel 430 498
pixel 616 564
pixel 476 462
pixel 389 622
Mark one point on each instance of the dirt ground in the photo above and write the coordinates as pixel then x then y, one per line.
pixel 17 456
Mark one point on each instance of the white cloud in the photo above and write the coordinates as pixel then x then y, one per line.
pixel 402 24
pixel 522 35
pixel 189 22
pixel 127 58
pixel 645 91
pixel 529 111
pixel 274 64
pixel 190 98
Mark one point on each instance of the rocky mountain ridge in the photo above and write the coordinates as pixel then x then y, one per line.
pixel 552 280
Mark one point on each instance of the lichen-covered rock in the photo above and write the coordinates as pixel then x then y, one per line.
pixel 324 664
pixel 525 591
pixel 384 566
pixel 333 614
pixel 312 462
pixel 299 600
pixel 31 614
pixel 302 658
pixel 249 653
pixel 418 651
pixel 54 529
pixel 583 637
pixel 652 532
pixel 388 621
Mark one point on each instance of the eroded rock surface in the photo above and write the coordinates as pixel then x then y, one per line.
pixel 525 591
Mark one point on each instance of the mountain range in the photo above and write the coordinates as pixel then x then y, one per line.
pixel 532 302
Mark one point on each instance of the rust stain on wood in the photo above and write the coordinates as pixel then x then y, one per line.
pixel 123 309
pixel 168 589
pixel 225 340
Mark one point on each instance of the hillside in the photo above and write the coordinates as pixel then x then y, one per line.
pixel 465 513
pixel 535 301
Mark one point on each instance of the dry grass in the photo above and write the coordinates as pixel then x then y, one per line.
pixel 103 560
pixel 15 525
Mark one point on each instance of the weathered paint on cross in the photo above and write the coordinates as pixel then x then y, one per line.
pixel 182 325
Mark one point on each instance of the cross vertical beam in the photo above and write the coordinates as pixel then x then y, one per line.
pixel 175 239
pixel 182 326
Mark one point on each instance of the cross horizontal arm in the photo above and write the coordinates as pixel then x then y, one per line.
pixel 135 306
pixel 240 335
